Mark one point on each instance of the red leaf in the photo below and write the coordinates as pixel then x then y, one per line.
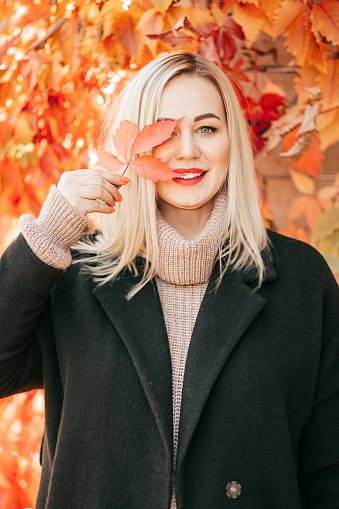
pixel 234 28
pixel 152 135
pixel 207 28
pixel 152 168
pixel 208 49
pixel 108 160
pixel 149 137
pixel 124 137
pixel 170 37
pixel 226 45
pixel 271 102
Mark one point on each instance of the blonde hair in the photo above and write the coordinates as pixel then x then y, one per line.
pixel 130 233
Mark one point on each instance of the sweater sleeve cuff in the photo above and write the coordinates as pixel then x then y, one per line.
pixel 57 228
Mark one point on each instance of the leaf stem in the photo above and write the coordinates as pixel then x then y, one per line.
pixel 123 173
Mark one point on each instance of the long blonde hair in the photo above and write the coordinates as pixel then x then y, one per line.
pixel 130 233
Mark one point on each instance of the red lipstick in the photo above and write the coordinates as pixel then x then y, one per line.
pixel 191 181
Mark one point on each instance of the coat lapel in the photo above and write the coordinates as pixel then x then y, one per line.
pixel 141 326
pixel 223 318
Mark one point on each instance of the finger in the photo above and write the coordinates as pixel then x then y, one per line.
pixel 94 191
pixel 113 178
pixel 97 181
pixel 96 206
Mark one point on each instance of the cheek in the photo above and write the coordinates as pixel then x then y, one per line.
pixel 161 153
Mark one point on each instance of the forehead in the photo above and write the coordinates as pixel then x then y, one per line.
pixel 190 95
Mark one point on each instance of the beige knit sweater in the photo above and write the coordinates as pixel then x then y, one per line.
pixel 185 269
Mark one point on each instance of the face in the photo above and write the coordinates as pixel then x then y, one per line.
pixel 199 147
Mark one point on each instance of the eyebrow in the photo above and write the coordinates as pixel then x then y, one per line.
pixel 196 119
pixel 205 115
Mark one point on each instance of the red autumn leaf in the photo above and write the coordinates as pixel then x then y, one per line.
pixel 108 160
pixel 260 115
pixel 208 49
pixel 124 137
pixel 225 45
pixel 234 28
pixel 150 136
pixel 173 38
pixel 152 168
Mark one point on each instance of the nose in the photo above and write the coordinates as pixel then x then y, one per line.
pixel 187 147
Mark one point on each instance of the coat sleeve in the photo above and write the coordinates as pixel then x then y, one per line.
pixel 25 286
pixel 319 443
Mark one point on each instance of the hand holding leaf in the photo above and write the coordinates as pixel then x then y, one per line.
pixel 129 140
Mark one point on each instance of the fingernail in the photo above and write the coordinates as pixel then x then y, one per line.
pixel 112 209
pixel 124 179
pixel 120 197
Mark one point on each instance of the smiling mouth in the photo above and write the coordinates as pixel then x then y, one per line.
pixel 188 176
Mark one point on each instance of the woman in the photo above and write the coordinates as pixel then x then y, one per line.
pixel 189 358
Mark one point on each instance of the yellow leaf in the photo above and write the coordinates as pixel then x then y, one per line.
pixel 327 224
pixel 108 13
pixel 162 5
pixel 302 182
pixel 333 262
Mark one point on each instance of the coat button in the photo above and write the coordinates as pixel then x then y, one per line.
pixel 233 489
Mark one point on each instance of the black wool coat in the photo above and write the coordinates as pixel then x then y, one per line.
pixel 259 422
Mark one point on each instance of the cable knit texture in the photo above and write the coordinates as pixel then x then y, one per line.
pixel 185 269
pixel 57 228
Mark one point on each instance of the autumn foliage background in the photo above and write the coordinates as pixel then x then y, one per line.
pixel 61 61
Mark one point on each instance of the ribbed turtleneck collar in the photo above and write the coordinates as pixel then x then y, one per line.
pixel 190 262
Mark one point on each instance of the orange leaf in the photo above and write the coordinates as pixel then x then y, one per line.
pixel 250 18
pixel 329 84
pixel 308 161
pixel 326 18
pixel 269 7
pixel 152 168
pixel 298 208
pixel 312 213
pixel 152 135
pixel 149 137
pixel 304 183
pixel 286 14
pixel 108 160
pixel 294 20
pixel 124 136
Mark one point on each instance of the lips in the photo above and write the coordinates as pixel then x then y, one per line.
pixel 190 181
pixel 189 170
